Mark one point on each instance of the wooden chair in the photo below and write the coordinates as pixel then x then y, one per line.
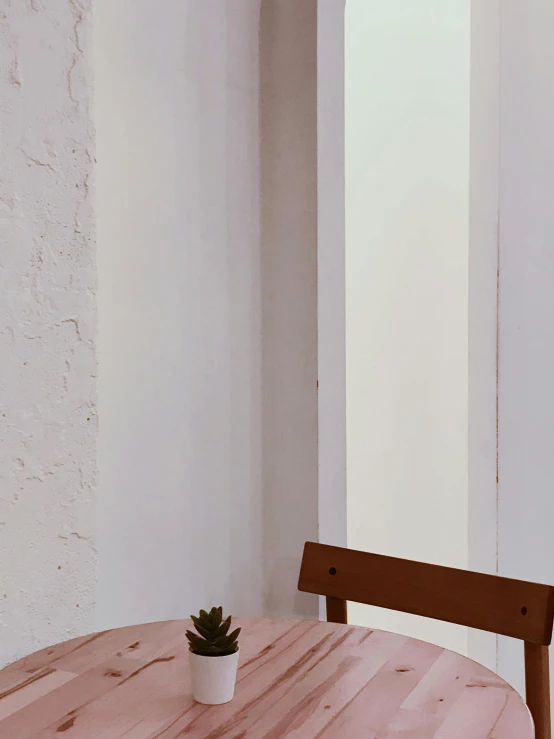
pixel 515 608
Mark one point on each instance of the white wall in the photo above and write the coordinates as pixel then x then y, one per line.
pixel 511 289
pixel 178 234
pixel 47 326
pixel 407 203
pixel 207 305
pixel 207 390
pixel 526 304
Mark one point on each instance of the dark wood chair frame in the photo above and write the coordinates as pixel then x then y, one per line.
pixel 515 608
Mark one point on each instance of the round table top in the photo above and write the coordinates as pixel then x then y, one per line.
pixel 299 679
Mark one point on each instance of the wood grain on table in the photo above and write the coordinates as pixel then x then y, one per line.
pixel 298 679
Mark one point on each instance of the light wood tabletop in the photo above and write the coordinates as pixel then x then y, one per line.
pixel 299 679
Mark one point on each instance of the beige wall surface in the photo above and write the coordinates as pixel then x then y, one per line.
pixel 48 360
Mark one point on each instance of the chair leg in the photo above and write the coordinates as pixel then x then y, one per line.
pixel 537 688
pixel 336 610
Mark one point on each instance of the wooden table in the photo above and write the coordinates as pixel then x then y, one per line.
pixel 296 679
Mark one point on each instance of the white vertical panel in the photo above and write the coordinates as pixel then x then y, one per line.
pixel 483 264
pixel 330 273
pixel 407 201
pixel 526 307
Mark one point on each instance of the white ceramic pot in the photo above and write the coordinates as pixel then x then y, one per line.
pixel 213 678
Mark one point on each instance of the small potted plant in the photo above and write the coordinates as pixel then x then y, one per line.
pixel 213 657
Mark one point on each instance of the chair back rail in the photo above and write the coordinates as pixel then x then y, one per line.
pixel 516 608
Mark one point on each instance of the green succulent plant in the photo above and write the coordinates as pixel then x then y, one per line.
pixel 213 638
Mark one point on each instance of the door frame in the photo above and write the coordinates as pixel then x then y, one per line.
pixel 483 290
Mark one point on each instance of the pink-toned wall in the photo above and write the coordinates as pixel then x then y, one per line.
pixel 288 197
pixel 48 360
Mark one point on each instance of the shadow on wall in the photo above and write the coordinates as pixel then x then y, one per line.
pixel 288 161
pixel 208 437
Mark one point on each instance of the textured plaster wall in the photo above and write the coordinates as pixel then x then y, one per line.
pixel 47 325
pixel 207 453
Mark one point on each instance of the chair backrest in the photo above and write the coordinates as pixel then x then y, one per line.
pixel 515 608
